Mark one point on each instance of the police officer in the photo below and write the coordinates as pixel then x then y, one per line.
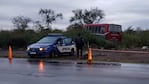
pixel 79 45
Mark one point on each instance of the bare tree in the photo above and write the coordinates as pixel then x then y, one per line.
pixel 38 25
pixel 87 16
pixel 21 22
pixel 49 16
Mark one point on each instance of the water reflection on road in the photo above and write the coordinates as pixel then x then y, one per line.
pixel 23 71
pixel 41 66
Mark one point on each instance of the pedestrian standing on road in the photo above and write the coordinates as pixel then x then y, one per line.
pixel 79 45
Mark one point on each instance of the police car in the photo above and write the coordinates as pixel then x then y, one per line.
pixel 52 45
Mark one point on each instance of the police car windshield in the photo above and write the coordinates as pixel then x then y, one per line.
pixel 47 40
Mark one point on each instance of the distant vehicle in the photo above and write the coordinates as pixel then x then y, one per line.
pixel 52 45
pixel 108 31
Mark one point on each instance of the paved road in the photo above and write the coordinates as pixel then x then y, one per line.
pixel 23 71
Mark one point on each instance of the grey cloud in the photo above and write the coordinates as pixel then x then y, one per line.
pixel 4 18
pixel 140 23
pixel 122 12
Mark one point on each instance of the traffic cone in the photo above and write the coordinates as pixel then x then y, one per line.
pixel 89 60
pixel 10 53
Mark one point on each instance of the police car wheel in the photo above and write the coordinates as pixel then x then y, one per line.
pixel 30 56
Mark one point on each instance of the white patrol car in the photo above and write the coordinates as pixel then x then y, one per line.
pixel 52 45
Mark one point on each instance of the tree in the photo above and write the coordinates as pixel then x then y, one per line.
pixel 87 16
pixel 130 30
pixel 21 22
pixel 38 25
pixel 49 16
pixel 75 26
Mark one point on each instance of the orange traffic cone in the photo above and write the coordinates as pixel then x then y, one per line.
pixel 89 61
pixel 10 53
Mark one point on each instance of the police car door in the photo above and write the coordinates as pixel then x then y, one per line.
pixel 65 46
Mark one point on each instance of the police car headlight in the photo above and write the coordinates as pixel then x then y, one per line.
pixel 28 49
pixel 41 49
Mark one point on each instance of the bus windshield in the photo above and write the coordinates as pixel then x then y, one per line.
pixel 115 28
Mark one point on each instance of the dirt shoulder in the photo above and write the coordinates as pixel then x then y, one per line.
pixel 100 55
pixel 121 56
pixel 16 53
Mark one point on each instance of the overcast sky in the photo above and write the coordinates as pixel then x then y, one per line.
pixel 124 12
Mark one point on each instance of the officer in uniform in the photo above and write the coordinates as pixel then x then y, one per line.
pixel 79 45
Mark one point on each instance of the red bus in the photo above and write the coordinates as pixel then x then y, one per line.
pixel 108 31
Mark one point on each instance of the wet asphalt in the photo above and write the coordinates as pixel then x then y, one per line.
pixel 26 71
